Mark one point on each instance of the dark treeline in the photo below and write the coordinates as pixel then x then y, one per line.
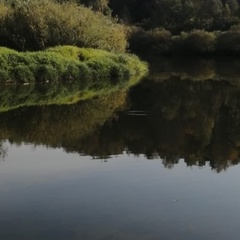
pixel 177 26
pixel 144 26
pixel 178 15
pixel 174 15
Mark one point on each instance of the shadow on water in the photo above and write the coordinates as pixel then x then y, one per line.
pixel 196 69
pixel 183 109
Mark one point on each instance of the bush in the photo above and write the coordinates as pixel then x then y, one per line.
pixel 161 38
pixel 3 75
pixel 36 25
pixel 157 39
pixel 22 73
pixel 46 73
pixel 76 71
pixel 228 41
pixel 199 41
pixel 68 63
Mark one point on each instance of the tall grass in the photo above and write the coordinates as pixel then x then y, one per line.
pixel 67 64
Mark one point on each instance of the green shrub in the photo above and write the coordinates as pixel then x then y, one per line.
pixel 22 73
pixel 72 72
pixel 161 39
pixel 36 25
pixel 47 73
pixel 3 75
pixel 157 39
pixel 228 41
pixel 199 41
pixel 68 63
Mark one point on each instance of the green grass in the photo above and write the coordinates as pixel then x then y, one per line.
pixel 68 64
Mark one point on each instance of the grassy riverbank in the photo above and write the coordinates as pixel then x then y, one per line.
pixel 67 64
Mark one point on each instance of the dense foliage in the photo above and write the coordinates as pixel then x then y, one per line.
pixel 161 41
pixel 35 25
pixel 68 63
pixel 178 26
pixel 179 15
pixel 145 26
pixel 174 15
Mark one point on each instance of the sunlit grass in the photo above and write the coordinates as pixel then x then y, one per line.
pixel 68 64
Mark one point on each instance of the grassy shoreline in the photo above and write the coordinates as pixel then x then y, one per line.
pixel 68 64
pixel 64 75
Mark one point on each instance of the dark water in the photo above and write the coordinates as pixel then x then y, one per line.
pixel 159 161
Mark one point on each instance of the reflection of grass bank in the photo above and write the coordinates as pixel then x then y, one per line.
pixel 67 64
pixel 61 125
pixel 14 96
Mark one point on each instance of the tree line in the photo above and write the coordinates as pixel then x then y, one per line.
pixel 35 25
pixel 173 15
pixel 162 26
pixel 177 26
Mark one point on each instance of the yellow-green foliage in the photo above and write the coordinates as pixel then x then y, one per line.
pixel 45 124
pixel 3 11
pixel 68 63
pixel 15 96
pixel 35 25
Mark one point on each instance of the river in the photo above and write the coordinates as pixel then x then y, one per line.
pixel 157 161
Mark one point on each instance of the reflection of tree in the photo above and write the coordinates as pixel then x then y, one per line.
pixel 197 121
pixel 196 69
pixel 3 151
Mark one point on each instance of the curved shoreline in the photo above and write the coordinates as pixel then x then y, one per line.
pixel 68 64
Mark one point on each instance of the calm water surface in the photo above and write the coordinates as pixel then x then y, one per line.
pixel 160 161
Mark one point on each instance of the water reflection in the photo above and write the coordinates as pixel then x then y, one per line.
pixel 196 69
pixel 195 121
pixel 171 117
pixel 3 151
pixel 60 125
